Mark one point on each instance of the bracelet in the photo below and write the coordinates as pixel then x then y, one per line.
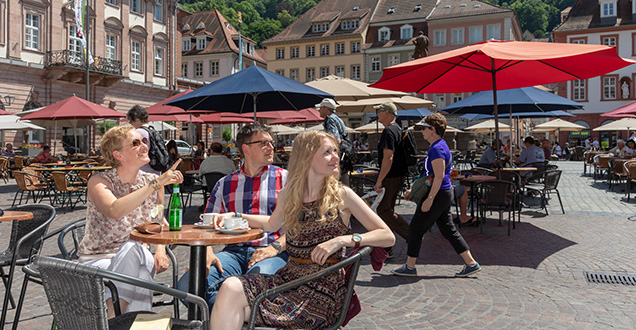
pixel 155 184
pixel 238 214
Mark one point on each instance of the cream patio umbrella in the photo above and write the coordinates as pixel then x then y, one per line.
pixel 319 127
pixel 486 126
pixel 284 130
pixel 624 124
pixel 558 125
pixel 373 127
pixel 345 89
pixel 401 103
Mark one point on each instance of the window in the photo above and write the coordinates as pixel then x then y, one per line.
pixel 320 27
pixel 280 53
pixel 475 34
pixel 159 10
pixel 609 88
pixel 186 44
pixel 135 6
pixel 439 38
pixel 184 70
pixel 311 74
pixel 384 34
pixel 111 47
pixel 214 68
pixel 32 31
pixel 493 32
pixel 293 74
pixel 198 69
pixel 159 61
pixel 375 64
pixel 608 9
pixel 340 48
pixel 439 100
pixel 324 71
pixel 578 90
pixel 75 44
pixel 355 47
pixel 311 51
pixel 135 56
pixel 355 72
pixel 340 72
pixel 324 50
pixel 406 32
pixel 201 44
pixel 112 2
pixel 609 41
pixel 394 60
pixel 457 36
pixel 295 51
pixel 281 72
pixel 350 25
pixel 578 41
pixel 457 97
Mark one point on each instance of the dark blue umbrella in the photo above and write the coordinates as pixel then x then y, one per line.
pixel 548 114
pixel 413 114
pixel 252 89
pixel 526 99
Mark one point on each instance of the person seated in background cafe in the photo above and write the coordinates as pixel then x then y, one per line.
pixel 557 151
pixel 118 200
pixel 531 154
pixel 621 149
pixel 8 152
pixel 489 157
pixel 173 152
pixel 631 144
pixel 547 150
pixel 45 155
pixel 216 162
pixel 568 152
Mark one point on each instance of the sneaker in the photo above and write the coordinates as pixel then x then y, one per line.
pixel 404 270
pixel 468 270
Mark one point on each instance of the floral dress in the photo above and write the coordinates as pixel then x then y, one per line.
pixel 314 305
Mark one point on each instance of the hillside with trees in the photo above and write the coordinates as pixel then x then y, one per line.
pixel 262 19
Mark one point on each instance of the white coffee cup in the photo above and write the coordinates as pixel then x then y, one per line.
pixel 207 218
pixel 235 222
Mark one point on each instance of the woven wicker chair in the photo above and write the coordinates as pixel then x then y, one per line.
pixel 25 241
pixel 32 185
pixel 76 296
pixel 67 192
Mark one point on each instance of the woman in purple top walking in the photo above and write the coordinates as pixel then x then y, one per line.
pixel 436 207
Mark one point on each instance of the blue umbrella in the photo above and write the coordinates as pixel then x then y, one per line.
pixel 548 114
pixel 252 89
pixel 526 99
pixel 413 114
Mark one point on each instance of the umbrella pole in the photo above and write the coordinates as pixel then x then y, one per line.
pixel 254 98
pixel 510 138
pixel 55 138
pixel 494 98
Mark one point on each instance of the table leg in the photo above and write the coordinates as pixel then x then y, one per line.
pixel 197 278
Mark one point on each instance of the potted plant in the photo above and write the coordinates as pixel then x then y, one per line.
pixel 31 149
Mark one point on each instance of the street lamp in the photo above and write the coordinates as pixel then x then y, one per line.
pixel 8 99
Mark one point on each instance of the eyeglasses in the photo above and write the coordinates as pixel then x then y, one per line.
pixel 137 142
pixel 263 143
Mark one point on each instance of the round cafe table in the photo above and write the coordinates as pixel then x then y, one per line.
pixel 519 169
pixel 16 215
pixel 474 179
pixel 198 239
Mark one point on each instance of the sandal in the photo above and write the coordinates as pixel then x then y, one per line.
pixel 472 221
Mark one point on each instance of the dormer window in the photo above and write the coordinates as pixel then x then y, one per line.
pixel 406 32
pixel 200 26
pixel 186 28
pixel 320 27
pixel 384 34
pixel 608 11
pixel 201 43
pixel 350 24
pixel 186 45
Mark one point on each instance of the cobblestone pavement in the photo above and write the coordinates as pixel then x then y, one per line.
pixel 532 279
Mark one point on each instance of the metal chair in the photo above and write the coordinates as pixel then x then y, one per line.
pixel 630 169
pixel 550 183
pixel 25 241
pixel 210 180
pixel 498 196
pixel 32 185
pixel 353 261
pixel 468 161
pixel 66 191
pixel 76 296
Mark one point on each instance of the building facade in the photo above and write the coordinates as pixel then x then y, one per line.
pixel 600 22
pixel 42 59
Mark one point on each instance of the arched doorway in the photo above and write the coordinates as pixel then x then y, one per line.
pixel 578 138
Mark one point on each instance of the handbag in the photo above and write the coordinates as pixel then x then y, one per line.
pixel 422 187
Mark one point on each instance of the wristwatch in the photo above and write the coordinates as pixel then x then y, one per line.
pixel 356 238
pixel 277 246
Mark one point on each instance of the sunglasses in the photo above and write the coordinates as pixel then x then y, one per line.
pixel 137 142
pixel 263 143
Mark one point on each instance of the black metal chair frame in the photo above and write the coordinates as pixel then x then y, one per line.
pixel 354 260
pixel 31 179
pixel 498 196
pixel 631 176
pixel 550 183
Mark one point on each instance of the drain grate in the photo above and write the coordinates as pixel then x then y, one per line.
pixel 610 279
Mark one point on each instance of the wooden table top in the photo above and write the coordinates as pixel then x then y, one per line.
pixel 519 168
pixel 478 178
pixel 62 164
pixel 190 235
pixel 16 215
pixel 68 169
pixel 365 173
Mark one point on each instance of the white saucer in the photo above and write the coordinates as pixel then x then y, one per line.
pixel 236 231
pixel 201 225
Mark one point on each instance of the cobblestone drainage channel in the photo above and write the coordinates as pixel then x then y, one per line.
pixel 610 279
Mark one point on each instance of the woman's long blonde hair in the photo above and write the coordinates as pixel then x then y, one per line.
pixel 304 149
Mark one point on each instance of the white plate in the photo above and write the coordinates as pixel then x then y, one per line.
pixel 236 231
pixel 203 226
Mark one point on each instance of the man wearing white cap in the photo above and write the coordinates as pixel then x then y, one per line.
pixel 334 125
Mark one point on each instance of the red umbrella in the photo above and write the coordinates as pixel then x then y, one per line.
pixel 160 108
pixel 311 116
pixel 3 112
pixel 185 117
pixel 627 110
pixel 279 114
pixel 494 65
pixel 73 108
pixel 224 118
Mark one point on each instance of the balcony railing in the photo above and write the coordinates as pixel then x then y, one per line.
pixel 77 60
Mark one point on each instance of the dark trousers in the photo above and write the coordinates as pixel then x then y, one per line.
pixel 386 207
pixel 439 214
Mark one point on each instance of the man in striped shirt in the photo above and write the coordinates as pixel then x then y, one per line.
pixel 253 189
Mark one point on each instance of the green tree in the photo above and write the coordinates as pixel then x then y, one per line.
pixel 227 134
pixel 533 14
pixel 285 18
pixel 264 29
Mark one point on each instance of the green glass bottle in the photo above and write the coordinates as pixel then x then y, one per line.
pixel 175 212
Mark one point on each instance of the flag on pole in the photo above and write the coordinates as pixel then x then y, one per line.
pixel 80 10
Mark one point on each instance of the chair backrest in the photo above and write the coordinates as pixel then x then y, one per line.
pixel 511 176
pixel 551 180
pixel 19 164
pixel 211 179
pixel 482 170
pixel 630 168
pixel 64 283
pixel 20 180
pixel 77 234
pixel 602 161
pixel 26 235
pixel 496 192
pixel 59 178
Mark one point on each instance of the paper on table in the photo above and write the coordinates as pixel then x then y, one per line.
pixel 161 321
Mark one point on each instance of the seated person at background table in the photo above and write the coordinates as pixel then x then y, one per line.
pixel 621 149
pixel 461 193
pixel 567 151
pixel 173 152
pixel 45 155
pixel 489 157
pixel 557 151
pixel 631 144
pixel 547 150
pixel 253 189
pixel 531 154
pixel 315 212
pixel 8 152
pixel 118 200
pixel 216 162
